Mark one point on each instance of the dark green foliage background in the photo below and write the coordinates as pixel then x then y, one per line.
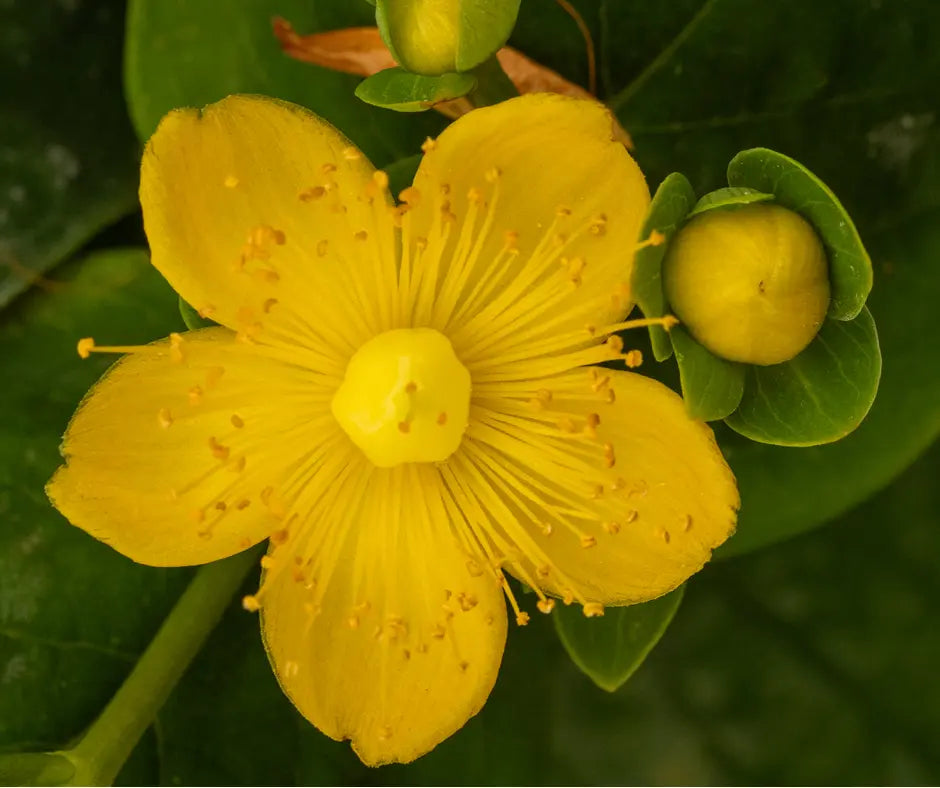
pixel 810 661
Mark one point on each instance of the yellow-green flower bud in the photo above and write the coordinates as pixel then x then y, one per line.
pixel 750 284
pixel 436 37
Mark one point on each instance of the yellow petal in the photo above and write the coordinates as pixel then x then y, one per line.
pixel 169 456
pixel 530 211
pixel 380 627
pixel 266 219
pixel 602 487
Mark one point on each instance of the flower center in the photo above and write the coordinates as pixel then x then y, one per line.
pixel 405 398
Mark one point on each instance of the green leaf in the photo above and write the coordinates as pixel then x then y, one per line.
pixel 74 613
pixel 818 397
pixel 229 48
pixel 402 91
pixel 712 387
pixel 795 187
pixel 610 648
pixel 670 205
pixel 68 157
pixel 729 197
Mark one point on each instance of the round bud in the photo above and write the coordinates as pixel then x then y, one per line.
pixel 751 284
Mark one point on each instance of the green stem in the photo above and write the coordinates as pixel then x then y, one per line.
pixel 106 745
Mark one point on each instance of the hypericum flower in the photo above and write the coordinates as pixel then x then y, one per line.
pixel 400 399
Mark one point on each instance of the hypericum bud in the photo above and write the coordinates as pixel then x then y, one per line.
pixel 436 37
pixel 750 284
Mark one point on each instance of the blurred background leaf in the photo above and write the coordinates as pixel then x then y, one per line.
pixel 193 52
pixel 68 157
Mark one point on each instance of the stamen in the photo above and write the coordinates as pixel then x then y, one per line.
pixel 593 609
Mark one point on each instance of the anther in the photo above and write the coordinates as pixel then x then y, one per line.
pixel 351 154
pixel 593 609
pixel 411 387
pixel 593 421
pixel 164 417
pixel 563 211
pixel 600 383
pixel 291 668
pixel 221 506
pixel 474 196
pixel 511 241
pixel 588 541
pixel 632 515
pixel 409 195
pixel 474 568
pixel 385 733
pixel 268 305
pixel 598 225
pixel 353 622
pixel 311 194
pixel 361 235
pixel 442 418
pixel 195 395
pixel 522 618
pixel 206 312
pixel 230 182
pixel 268 562
pixel 219 451
pixel 251 603
pixel 633 358
pixel 322 247
pixel 463 666
pixel 687 523
pixel 663 534
pixel 404 427
pixel 546 605
pixel 438 632
pixel 615 343
pixel 492 174
pixel 428 145
pixel 543 571
pixel 328 168
pixel 609 458
pixel 237 421
pixel 546 529
pixel 238 465
pixel 85 346
pixel 176 347
pixel 612 528
pixel 466 601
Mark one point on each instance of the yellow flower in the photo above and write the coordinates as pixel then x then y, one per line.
pixel 399 398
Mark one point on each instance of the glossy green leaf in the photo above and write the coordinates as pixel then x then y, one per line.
pixel 193 52
pixel 68 157
pixel 729 197
pixel 402 91
pixel 818 397
pixel 712 387
pixel 610 648
pixel 795 187
pixel 670 205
